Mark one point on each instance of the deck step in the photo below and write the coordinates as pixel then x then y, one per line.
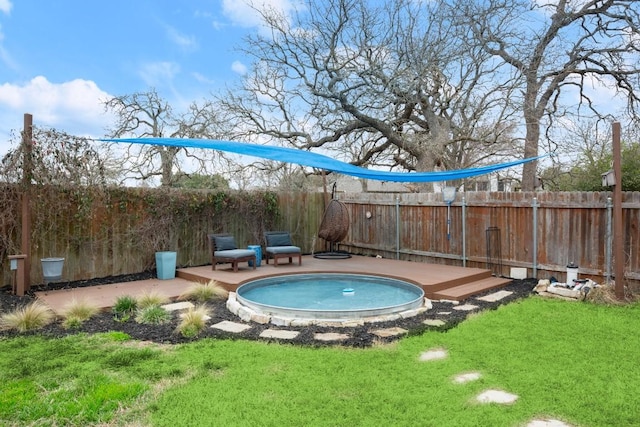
pixel 462 292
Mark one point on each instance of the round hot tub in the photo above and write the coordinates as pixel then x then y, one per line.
pixel 329 296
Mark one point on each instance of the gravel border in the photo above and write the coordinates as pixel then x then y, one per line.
pixel 358 337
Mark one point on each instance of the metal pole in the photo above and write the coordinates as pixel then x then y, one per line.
pixel 608 242
pixel 464 232
pixel 448 220
pixel 618 236
pixel 535 237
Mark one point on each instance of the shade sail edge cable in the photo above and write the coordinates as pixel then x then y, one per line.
pixel 320 161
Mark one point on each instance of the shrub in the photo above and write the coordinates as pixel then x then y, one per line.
pixel 124 308
pixel 194 320
pixel 153 314
pixel 77 312
pixel 200 292
pixel 151 297
pixel 32 316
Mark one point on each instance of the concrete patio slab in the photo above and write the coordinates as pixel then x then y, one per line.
pixel 496 296
pixel 434 354
pixel 279 333
pixel 234 327
pixel 434 322
pixel 466 307
pixel 389 332
pixel 496 396
pixel 465 378
pixel 183 305
pixel 547 423
pixel 330 336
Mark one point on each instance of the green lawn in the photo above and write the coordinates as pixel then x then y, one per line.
pixel 571 361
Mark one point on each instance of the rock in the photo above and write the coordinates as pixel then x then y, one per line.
pixel 569 293
pixel 542 286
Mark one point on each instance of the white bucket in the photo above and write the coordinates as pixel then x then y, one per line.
pixel 52 269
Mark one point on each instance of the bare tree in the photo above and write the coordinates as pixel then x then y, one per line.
pixel 557 47
pixel 393 86
pixel 59 158
pixel 146 114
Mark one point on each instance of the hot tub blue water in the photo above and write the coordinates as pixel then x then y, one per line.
pixel 329 296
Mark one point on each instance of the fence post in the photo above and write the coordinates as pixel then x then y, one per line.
pixel 535 237
pixel 397 227
pixel 464 232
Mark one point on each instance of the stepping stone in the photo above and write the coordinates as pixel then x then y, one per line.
pixel 466 307
pixel 496 296
pixel 280 334
pixel 465 378
pixel 434 322
pixel 435 354
pixel 185 305
pixel 205 317
pixel 444 313
pixel 496 396
pixel 547 423
pixel 331 336
pixel 228 326
pixel 389 332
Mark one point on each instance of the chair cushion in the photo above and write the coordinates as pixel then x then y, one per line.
pixel 225 243
pixel 234 253
pixel 283 249
pixel 283 239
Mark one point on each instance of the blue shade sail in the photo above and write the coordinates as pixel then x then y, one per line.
pixel 320 161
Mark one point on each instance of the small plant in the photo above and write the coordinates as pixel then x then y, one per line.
pixel 77 312
pixel 151 297
pixel 194 320
pixel 72 322
pixel 153 314
pixel 124 308
pixel 200 292
pixel 32 316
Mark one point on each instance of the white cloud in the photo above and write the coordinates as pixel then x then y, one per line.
pixel 202 78
pixel 239 67
pixel 185 42
pixel 243 12
pixel 76 107
pixel 5 6
pixel 159 73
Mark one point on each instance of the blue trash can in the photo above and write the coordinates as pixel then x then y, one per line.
pixel 166 265
pixel 258 250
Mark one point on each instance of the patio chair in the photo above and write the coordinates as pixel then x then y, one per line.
pixel 225 251
pixel 278 245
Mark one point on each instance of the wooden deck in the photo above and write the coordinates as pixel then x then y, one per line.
pixel 437 281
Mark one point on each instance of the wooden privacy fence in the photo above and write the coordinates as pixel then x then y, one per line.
pixel 104 232
pixel 116 231
pixel 540 231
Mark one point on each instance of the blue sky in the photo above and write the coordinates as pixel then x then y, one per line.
pixel 61 59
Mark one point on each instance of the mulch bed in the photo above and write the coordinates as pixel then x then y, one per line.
pixel 165 334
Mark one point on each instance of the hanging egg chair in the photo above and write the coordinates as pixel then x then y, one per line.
pixel 334 228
